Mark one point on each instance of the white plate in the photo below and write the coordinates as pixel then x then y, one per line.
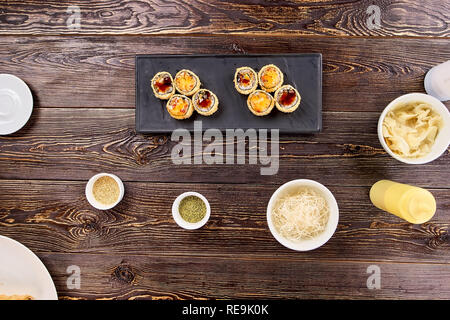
pixel 21 272
pixel 16 103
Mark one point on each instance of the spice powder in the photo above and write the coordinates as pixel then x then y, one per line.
pixel 106 190
pixel 192 209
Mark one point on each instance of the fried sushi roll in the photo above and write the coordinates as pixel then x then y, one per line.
pixel 187 82
pixel 287 99
pixel 270 78
pixel 179 107
pixel 245 80
pixel 260 103
pixel 205 102
pixel 162 85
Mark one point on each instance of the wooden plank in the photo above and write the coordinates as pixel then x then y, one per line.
pixel 74 144
pixel 423 18
pixel 155 277
pixel 55 217
pixel 99 71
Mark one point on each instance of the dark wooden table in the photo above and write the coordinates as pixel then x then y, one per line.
pixel 83 123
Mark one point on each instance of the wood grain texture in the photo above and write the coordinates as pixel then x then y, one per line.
pixel 424 18
pixel 74 144
pixel 83 123
pixel 187 277
pixel 358 74
pixel 54 216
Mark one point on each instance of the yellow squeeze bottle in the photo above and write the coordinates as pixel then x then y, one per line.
pixel 413 204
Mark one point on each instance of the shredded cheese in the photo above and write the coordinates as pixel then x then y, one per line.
pixel 300 215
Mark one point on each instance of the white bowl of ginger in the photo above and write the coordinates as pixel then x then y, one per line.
pixel 104 191
pixel 415 128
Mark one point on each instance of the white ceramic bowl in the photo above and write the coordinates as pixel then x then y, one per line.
pixel 90 195
pixel 321 239
pixel 183 223
pixel 443 138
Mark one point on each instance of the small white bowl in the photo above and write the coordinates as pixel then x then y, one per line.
pixel 443 138
pixel 183 223
pixel 90 196
pixel 321 239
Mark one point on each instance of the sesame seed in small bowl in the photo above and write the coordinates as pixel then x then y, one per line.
pixel 104 191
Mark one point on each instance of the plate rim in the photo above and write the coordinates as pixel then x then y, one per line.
pixel 28 90
pixel 54 292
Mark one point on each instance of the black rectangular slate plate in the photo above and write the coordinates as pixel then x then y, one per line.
pixel 216 72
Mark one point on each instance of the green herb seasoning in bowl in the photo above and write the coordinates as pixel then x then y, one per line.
pixel 191 210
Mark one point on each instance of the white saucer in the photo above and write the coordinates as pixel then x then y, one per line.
pixel 22 273
pixel 16 104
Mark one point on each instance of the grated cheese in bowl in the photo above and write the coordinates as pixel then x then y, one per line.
pixel 301 215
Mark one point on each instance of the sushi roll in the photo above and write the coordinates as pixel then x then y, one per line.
pixel 245 80
pixel 260 103
pixel 270 78
pixel 205 102
pixel 287 99
pixel 187 82
pixel 179 107
pixel 162 85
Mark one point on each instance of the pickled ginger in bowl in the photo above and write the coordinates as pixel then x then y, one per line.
pixel 415 128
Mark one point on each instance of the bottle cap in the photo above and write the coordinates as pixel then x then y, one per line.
pixel 421 205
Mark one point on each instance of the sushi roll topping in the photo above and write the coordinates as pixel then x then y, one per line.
pixel 186 82
pixel 245 79
pixel 270 77
pixel 287 97
pixel 260 101
pixel 204 100
pixel 164 84
pixel 178 105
